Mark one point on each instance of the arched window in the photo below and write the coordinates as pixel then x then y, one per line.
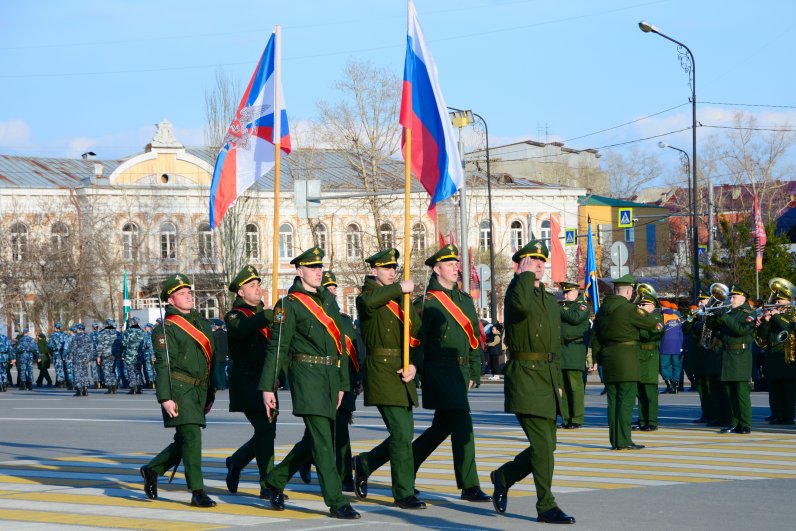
pixel 320 236
pixel 19 242
pixel 545 232
pixel 484 235
pixel 419 238
pixel 353 242
pixel 204 237
pixel 129 241
pixel 59 237
pixel 252 242
pixel 168 241
pixel 285 241
pixel 386 236
pixel 516 235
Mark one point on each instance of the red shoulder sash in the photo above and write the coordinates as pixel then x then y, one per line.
pixel 327 322
pixel 265 331
pixel 457 314
pixel 196 334
pixel 396 309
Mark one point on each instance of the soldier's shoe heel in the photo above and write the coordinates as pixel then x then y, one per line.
pixel 360 478
pixel 150 482
pixel 199 498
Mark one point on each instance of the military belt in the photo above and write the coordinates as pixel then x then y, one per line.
pixel 735 347
pixel 569 342
pixel 618 343
pixel 449 360
pixel 182 377
pixel 646 346
pixel 386 352
pixel 316 360
pixel 533 356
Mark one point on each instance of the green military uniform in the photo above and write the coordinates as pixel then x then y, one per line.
pixel 452 359
pixel 247 328
pixel 735 332
pixel 780 374
pixel 317 368
pixel 44 362
pixel 183 373
pixel 382 332
pixel 574 327
pixel 615 343
pixel 649 365
pixel 532 377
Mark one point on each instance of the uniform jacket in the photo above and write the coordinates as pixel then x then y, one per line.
pixel 698 360
pixel 246 351
pixel 736 330
pixel 776 368
pixel 382 329
pixel 109 343
pixel 82 348
pixel 56 342
pixel 131 341
pixel 349 402
pixel 532 324
pixel 44 350
pixel 296 331
pixel 574 327
pixel 649 354
pixel 26 344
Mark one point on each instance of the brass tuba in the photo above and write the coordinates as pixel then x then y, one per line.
pixel 718 294
pixel 643 289
pixel 788 337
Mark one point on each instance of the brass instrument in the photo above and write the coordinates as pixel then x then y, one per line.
pixel 643 289
pixel 718 294
pixel 788 337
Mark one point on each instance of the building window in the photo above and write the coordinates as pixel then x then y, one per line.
pixel 286 241
pixel 351 306
pixel 320 236
pixel 19 321
pixel 168 241
pixel 516 235
pixel 419 238
pixel 652 245
pixel 630 235
pixel 208 308
pixel 604 234
pixel 129 241
pixel 252 242
pixel 386 236
pixel 59 237
pixel 484 236
pixel 545 232
pixel 353 242
pixel 205 242
pixel 19 242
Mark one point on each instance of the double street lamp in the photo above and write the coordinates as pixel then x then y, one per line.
pixel 688 64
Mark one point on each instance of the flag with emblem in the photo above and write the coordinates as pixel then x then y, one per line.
pixel 760 236
pixel 248 150
pixel 592 290
pixel 126 305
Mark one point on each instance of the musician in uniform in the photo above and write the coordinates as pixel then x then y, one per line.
pixel 184 351
pixel 775 334
pixel 574 327
pixel 649 363
pixel 615 342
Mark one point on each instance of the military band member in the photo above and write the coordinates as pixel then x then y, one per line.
pixel 393 392
pixel 615 342
pixel 780 368
pixel 574 327
pixel 248 332
pixel 532 382
pixel 451 366
pixel 649 363
pixel 183 349
pixel 705 364
pixel 736 329
pixel 308 333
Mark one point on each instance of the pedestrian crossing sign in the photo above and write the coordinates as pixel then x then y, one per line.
pixel 625 218
pixel 571 237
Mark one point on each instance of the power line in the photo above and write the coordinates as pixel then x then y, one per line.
pixel 627 123
pixel 748 105
pixel 738 128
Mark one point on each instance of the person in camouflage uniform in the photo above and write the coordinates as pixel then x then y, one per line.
pixel 82 352
pixel 108 345
pixel 27 352
pixel 131 341
pixel 55 343
pixel 6 354
pixel 96 373
pixel 66 358
pixel 146 357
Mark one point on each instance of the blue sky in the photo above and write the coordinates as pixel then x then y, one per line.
pixel 98 74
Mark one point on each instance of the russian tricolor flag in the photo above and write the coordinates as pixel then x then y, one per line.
pixel 248 150
pixel 434 155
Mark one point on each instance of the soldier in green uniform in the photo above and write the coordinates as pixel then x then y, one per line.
pixel 308 342
pixel 44 363
pixel 387 386
pixel 532 383
pixel 184 349
pixel 736 330
pixel 451 366
pixel 247 334
pixel 780 368
pixel 649 363
pixel 615 343
pixel 574 327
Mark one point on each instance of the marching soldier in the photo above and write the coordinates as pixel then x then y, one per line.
pixel 108 346
pixel 27 352
pixel 44 362
pixel 131 342
pixel 247 336
pixel 705 363
pixel 184 350
pixel 387 387
pixel 649 363
pixel 451 366
pixel 574 327
pixel 736 329
pixel 308 334
pixel 775 333
pixel 81 350
pixel 6 355
pixel 615 342
pixel 56 343
pixel 532 381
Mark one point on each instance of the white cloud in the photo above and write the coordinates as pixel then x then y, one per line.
pixel 80 145
pixel 15 135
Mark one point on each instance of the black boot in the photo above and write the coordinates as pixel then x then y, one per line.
pixel 131 391
pixel 84 392
pixel 674 388
pixel 109 391
pixel 200 499
pixel 78 393
pixel 114 388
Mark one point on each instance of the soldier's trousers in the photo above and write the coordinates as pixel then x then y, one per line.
pixel 342 444
pixel 316 445
pixel 108 371
pixel 70 378
pixel 260 446
pixel 149 370
pixel 397 449
pixel 187 446
pixel 81 371
pixel 25 368
pixel 537 459
pixel 133 379
pixel 572 400
pixel 44 374
pixel 782 398
pixel 3 367
pixel 738 396
pixel 459 425
pixel 621 399
pixel 58 365
pixel 647 404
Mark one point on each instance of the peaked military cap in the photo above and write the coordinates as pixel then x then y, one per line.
pixel 704 294
pixel 625 280
pixel 568 286
pixel 172 284
pixel 781 296
pixel 95 325
pixel 649 298
pixel 447 253
pixel 738 290
pixel 385 258
pixel 328 279
pixel 312 257
pixel 532 249
pixel 244 276
pixel 110 322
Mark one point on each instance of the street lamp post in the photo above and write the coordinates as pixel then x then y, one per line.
pixel 689 65
pixel 462 119
pixel 691 207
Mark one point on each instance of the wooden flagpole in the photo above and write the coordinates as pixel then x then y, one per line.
pixel 277 159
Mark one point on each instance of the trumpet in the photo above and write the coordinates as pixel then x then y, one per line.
pixel 718 308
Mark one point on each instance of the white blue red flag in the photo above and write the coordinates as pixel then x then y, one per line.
pixel 592 289
pixel 434 157
pixel 248 149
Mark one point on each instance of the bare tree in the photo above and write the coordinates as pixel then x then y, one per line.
pixel 628 175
